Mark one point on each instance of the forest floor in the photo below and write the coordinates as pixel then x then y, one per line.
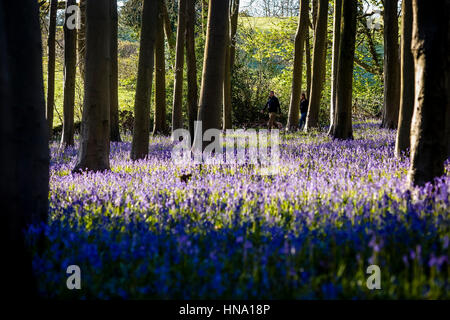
pixel 311 232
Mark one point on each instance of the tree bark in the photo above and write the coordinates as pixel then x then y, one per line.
pixel 391 66
pixel 81 33
pixel 168 28
pixel 334 63
pixel 159 126
pixel 51 66
pixel 24 164
pixel 141 131
pixel 177 112
pixel 294 107
pixel 319 65
pixel 308 65
pixel 70 71
pixel 191 63
pixel 406 83
pixel 93 154
pixel 114 76
pixel 342 128
pixel 431 51
pixel 211 92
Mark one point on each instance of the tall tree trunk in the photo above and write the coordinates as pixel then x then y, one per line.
pixel 160 74
pixel 24 164
pixel 406 83
pixel 177 112
pixel 296 90
pixel 141 131
pixel 315 13
pixel 168 28
pixel 211 92
pixel 319 66
pixel 334 63
pixel 70 71
pixel 93 154
pixel 191 63
pixel 342 128
pixel 229 64
pixel 204 16
pixel 51 66
pixel 81 33
pixel 114 76
pixel 391 66
pixel 431 51
pixel 308 65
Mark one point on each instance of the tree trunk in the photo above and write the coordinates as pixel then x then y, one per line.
pixel 211 92
pixel 51 66
pixel 114 76
pixel 342 128
pixel 431 51
pixel 406 83
pixel 294 106
pixel 308 65
pixel 70 71
pixel 391 66
pixel 229 64
pixel 160 74
pixel 334 63
pixel 141 131
pixel 191 63
pixel 177 112
pixel 93 154
pixel 24 164
pixel 81 33
pixel 319 66
pixel 168 28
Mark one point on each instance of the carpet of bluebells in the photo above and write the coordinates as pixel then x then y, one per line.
pixel 310 232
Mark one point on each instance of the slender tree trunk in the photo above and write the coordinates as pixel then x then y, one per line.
pixel 191 63
pixel 391 66
pixel 334 63
pixel 168 28
pixel 114 77
pixel 24 164
pixel 406 83
pixel 81 33
pixel 319 64
pixel 308 65
pixel 204 16
pixel 342 128
pixel 226 121
pixel 431 51
pixel 141 131
pixel 229 64
pixel 296 90
pixel 70 71
pixel 315 13
pixel 177 112
pixel 51 66
pixel 160 75
pixel 93 154
pixel 211 92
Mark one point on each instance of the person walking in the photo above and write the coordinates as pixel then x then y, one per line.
pixel 273 106
pixel 303 110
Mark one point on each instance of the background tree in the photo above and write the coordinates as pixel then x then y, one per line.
pixel 141 131
pixel 334 63
pixel 191 63
pixel 24 164
pixel 93 154
pixel 406 83
pixel 342 128
pixel 70 71
pixel 319 65
pixel 391 66
pixel 211 92
pixel 159 126
pixel 431 50
pixel 114 76
pixel 297 74
pixel 177 114
pixel 51 65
